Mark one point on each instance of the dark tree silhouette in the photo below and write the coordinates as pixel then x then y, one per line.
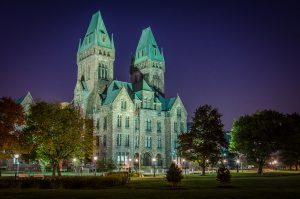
pixel 205 139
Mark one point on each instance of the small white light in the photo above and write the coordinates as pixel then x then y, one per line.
pixel 74 159
pixel 153 159
pixel 95 158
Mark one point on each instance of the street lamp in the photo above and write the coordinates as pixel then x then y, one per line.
pixel 129 165
pixel 95 163
pixel 237 165
pixel 16 156
pixel 74 161
pixel 153 163
pixel 184 166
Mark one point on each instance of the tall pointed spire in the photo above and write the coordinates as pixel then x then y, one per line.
pixel 96 34
pixel 147 47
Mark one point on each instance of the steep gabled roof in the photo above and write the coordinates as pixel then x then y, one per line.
pixel 147 48
pixel 96 34
pixel 114 89
pixel 24 97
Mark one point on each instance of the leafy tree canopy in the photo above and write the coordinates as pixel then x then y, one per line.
pixel 258 135
pixel 205 139
pixel 12 121
pixel 59 133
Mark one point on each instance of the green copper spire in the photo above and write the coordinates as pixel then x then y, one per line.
pixel 147 48
pixel 96 34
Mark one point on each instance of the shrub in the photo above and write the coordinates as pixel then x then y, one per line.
pixel 174 175
pixel 124 176
pixel 223 174
pixel 136 174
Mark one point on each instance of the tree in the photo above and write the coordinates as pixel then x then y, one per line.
pixel 106 165
pixel 290 145
pixel 59 133
pixel 11 128
pixel 205 139
pixel 174 175
pixel 257 136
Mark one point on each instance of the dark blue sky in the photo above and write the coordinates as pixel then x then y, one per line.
pixel 239 56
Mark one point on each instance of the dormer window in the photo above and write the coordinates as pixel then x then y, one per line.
pixel 103 38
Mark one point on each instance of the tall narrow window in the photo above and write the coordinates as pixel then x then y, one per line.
pixel 178 112
pixel 123 104
pixel 148 125
pixel 104 140
pixel 127 122
pixel 148 142
pixel 119 124
pixel 119 139
pixel 137 141
pixel 127 141
pixel 175 127
pixel 158 127
pixel 105 123
pixel 158 142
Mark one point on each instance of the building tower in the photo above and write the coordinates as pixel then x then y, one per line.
pixel 95 61
pixel 148 62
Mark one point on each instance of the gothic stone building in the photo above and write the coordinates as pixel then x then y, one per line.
pixel 134 122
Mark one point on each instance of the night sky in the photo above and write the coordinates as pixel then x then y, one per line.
pixel 238 56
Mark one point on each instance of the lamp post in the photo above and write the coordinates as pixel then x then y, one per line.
pixel 129 169
pixel 95 164
pixel 184 167
pixel 153 163
pixel 237 165
pixel 74 161
pixel 16 156
pixel 136 167
pixel 275 164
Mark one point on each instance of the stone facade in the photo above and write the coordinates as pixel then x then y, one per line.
pixel 134 122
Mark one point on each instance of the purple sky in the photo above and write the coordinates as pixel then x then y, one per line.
pixel 239 56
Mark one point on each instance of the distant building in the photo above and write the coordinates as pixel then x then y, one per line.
pixel 133 121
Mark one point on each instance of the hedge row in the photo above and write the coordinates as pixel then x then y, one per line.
pixel 64 182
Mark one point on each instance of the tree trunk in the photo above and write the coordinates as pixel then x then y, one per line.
pixel 203 169
pixel 59 167
pixel 296 167
pixel 260 168
pixel 290 167
pixel 53 168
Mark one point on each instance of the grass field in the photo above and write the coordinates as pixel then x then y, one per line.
pixel 244 185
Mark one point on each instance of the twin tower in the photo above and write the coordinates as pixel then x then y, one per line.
pixel 132 120
pixel 95 60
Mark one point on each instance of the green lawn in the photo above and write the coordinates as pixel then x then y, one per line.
pixel 244 185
